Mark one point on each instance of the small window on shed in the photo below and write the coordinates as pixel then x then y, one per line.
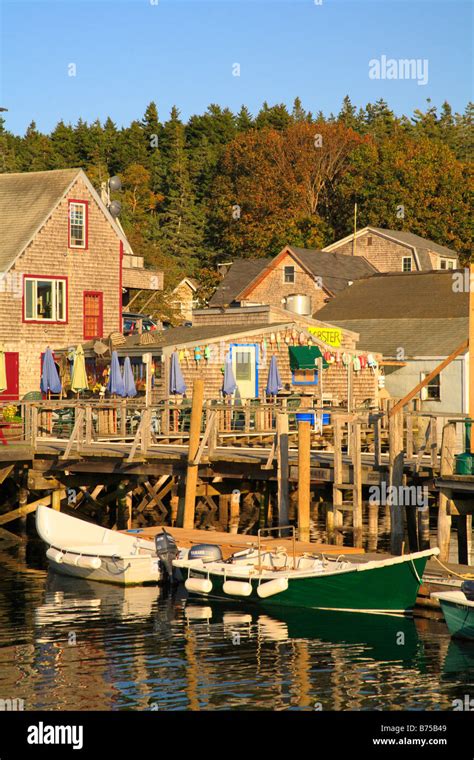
pixel 432 391
pixel 406 264
pixel 289 274
pixel 369 240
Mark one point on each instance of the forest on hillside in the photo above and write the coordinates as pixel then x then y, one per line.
pixel 227 185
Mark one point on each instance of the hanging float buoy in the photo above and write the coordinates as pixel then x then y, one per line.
pixel 272 587
pixel 198 585
pixel 237 588
pixel 55 555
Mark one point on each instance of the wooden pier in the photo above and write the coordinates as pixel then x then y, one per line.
pixel 237 467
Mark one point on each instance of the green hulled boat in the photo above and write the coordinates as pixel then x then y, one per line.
pixel 274 578
pixel 458 612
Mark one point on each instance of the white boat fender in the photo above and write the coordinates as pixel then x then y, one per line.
pixel 55 555
pixel 237 588
pixel 198 585
pixel 77 560
pixel 272 587
pixel 93 563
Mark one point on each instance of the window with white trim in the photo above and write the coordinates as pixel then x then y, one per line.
pixel 44 299
pixel 289 274
pixel 77 224
pixel 431 391
pixel 446 264
pixel 406 264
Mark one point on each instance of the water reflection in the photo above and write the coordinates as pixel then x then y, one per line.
pixel 72 644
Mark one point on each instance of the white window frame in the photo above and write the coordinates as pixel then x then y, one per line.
pixel 72 206
pixel 410 259
pixel 289 282
pixel 424 390
pixel 54 299
pixel 448 264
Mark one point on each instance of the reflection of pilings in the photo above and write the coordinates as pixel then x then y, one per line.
pixel 302 667
pixel 192 670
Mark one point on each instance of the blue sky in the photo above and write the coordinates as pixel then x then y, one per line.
pixel 129 52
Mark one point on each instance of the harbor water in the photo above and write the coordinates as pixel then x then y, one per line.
pixel 68 644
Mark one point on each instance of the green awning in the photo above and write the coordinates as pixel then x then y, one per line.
pixel 305 357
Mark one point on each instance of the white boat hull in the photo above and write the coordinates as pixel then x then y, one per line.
pixel 84 550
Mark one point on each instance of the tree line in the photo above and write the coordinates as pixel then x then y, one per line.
pixel 225 185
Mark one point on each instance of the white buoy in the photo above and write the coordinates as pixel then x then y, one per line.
pixel 272 587
pixel 237 588
pixel 77 560
pixel 55 555
pixel 198 585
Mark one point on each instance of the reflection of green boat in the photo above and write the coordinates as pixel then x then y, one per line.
pixel 383 637
pixel 271 578
pixel 460 659
pixel 458 612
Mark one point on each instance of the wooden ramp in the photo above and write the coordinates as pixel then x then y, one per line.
pixel 231 543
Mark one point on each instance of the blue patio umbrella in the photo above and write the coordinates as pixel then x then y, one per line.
pixel 274 383
pixel 177 384
pixel 115 385
pixel 50 382
pixel 128 379
pixel 229 385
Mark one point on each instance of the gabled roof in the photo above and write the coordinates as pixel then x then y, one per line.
pixel 241 274
pixel 27 200
pixel 420 245
pixel 397 295
pixel 335 270
pixel 193 284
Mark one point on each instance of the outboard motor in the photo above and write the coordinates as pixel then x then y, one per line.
pixel 206 552
pixel 166 551
pixel 468 590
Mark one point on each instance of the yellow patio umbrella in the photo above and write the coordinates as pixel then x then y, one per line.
pixel 79 376
pixel 3 370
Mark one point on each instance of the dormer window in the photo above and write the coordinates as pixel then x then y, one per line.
pixel 78 224
pixel 406 264
pixel 289 275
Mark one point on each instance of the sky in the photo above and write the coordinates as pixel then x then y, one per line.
pixel 71 59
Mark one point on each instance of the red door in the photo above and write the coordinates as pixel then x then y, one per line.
pixel 12 367
pixel 93 314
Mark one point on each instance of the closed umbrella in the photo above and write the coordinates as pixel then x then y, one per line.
pixel 229 385
pixel 50 382
pixel 3 371
pixel 128 379
pixel 115 385
pixel 177 384
pixel 274 383
pixel 79 377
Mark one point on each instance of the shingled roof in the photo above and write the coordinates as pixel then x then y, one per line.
pixel 240 275
pixel 26 201
pixel 397 295
pixel 335 269
pixel 422 312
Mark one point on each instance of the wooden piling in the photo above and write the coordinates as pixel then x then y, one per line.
pixel 423 528
pixel 192 470
pixel 282 468
pixel 357 482
pixel 373 526
pixel 304 479
pixel 396 457
pixel 234 511
pixel 56 499
pixel 448 445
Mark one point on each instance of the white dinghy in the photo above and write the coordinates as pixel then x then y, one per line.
pixel 85 550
